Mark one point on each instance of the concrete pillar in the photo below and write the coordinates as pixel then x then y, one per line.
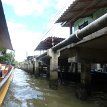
pixel 31 68
pixel 85 74
pixel 36 73
pixel 28 67
pixel 83 89
pixel 53 81
pixel 25 66
pixel 75 69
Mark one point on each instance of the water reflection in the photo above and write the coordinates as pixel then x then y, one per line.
pixel 26 91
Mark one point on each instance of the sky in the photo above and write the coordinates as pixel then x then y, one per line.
pixel 29 21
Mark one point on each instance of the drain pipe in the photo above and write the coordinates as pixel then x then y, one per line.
pixel 80 34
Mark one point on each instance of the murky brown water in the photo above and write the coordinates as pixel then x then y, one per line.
pixel 26 91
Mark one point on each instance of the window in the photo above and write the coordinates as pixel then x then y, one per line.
pixel 83 25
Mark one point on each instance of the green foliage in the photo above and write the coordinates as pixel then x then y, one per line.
pixel 3 50
pixel 15 62
pixel 7 57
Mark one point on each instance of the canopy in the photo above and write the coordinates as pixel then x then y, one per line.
pixel 5 41
pixel 48 43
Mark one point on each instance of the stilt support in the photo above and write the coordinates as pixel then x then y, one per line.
pixel 53 81
pixel 83 89
pixel 36 73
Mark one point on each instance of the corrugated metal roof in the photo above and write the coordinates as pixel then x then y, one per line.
pixel 79 9
pixel 48 43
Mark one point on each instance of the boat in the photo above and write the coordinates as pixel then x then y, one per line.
pixel 6 74
pixel 6 70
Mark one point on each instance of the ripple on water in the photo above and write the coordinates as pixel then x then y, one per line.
pixel 26 91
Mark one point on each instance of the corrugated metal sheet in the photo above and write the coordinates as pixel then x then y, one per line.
pixel 48 43
pixel 79 9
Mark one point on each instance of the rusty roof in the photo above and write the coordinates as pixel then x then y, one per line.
pixel 79 9
pixel 48 43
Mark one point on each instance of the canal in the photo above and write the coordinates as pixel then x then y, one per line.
pixel 26 91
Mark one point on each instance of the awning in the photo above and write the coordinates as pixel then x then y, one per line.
pixel 48 43
pixel 5 41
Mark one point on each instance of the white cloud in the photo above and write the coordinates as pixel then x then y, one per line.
pixel 22 39
pixel 20 35
pixel 25 7
pixel 37 7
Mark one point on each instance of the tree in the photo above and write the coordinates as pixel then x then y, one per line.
pixel 6 57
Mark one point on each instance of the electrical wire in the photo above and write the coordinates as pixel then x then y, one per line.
pixel 59 12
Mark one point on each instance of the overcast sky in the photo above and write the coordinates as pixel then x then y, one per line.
pixel 29 20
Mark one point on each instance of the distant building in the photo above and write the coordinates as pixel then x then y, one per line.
pixel 30 58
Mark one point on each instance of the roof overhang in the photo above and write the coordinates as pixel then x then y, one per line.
pixel 48 43
pixel 5 41
pixel 79 9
